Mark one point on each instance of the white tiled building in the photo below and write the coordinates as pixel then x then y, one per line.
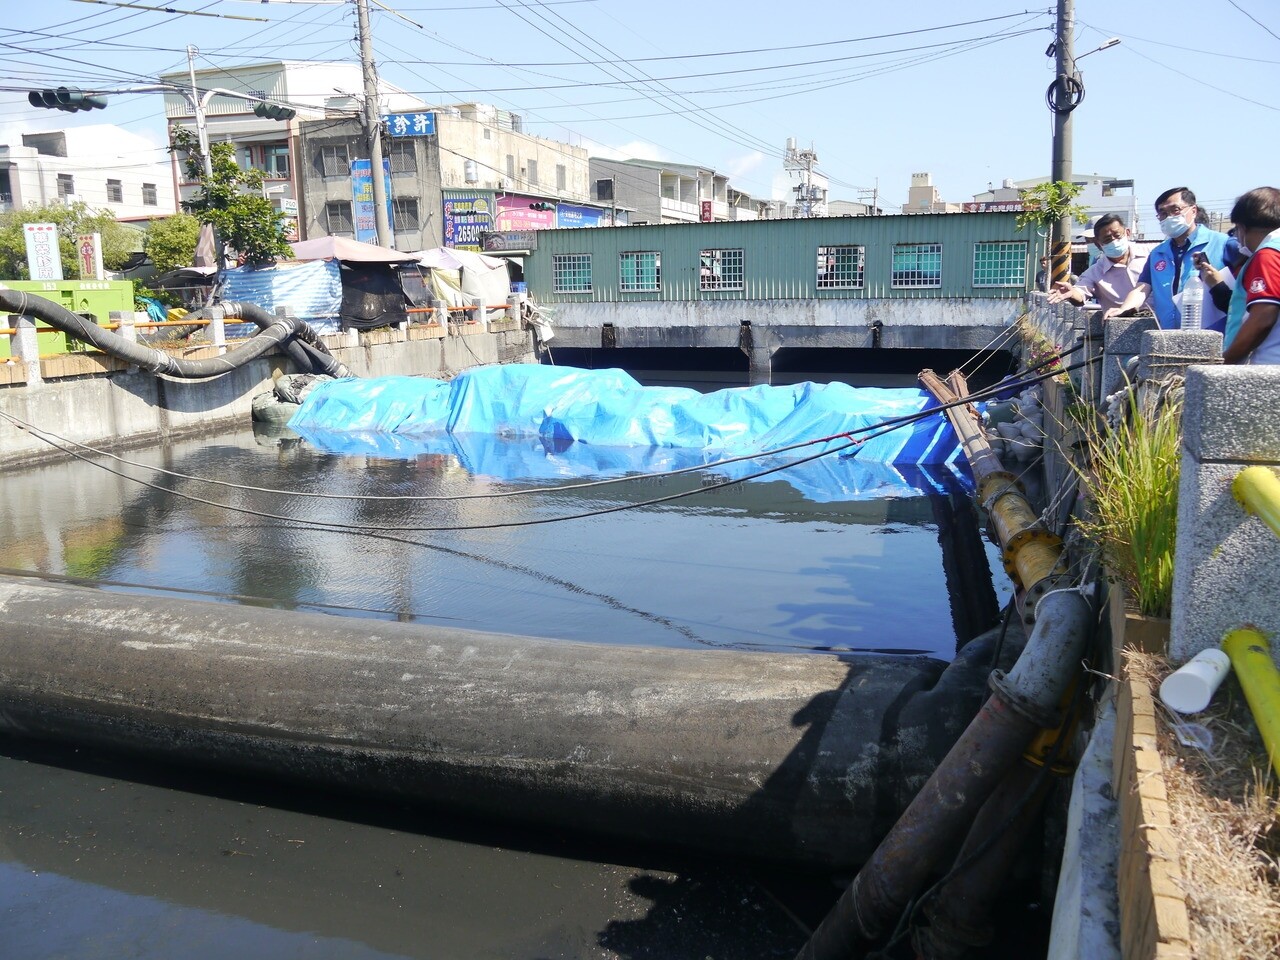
pixel 106 167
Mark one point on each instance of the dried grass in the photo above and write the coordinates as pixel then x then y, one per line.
pixel 1226 822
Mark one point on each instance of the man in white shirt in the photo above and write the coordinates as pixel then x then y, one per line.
pixel 1111 277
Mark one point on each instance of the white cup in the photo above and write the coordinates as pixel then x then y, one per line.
pixel 1190 688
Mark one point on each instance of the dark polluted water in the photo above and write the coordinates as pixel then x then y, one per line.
pixel 108 857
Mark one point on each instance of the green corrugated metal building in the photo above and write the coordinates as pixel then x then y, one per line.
pixel 924 256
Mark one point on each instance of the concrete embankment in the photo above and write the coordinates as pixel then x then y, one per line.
pixel 800 759
pixel 100 401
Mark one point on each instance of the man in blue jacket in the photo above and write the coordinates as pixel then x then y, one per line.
pixel 1171 263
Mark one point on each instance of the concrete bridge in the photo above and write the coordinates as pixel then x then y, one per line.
pixel 763 328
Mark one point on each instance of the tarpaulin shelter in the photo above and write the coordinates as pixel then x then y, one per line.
pixel 459 276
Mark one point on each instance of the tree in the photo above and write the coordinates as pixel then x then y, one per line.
pixel 1047 203
pixel 71 220
pixel 171 242
pixel 243 220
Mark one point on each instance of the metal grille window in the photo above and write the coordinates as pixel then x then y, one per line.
pixel 115 191
pixel 721 270
pixel 917 265
pixel 149 197
pixel 562 176
pixel 840 268
pixel 640 271
pixel 404 157
pixel 337 216
pixel 1000 263
pixel 571 273
pixel 66 185
pixel 405 212
pixel 334 161
pixel 511 166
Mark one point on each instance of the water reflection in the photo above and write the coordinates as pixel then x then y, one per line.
pixel 748 566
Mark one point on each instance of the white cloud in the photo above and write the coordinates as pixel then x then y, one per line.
pixel 740 167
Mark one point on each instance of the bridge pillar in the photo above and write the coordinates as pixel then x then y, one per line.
pixel 759 344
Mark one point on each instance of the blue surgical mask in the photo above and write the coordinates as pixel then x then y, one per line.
pixel 1174 227
pixel 1117 248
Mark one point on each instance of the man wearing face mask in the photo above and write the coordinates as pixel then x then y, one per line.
pixel 1252 334
pixel 1169 265
pixel 1113 276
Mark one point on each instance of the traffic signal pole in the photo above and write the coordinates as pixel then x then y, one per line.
pixel 202 128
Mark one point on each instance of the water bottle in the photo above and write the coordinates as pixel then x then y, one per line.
pixel 1192 301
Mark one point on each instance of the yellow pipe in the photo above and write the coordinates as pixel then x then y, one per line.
pixel 1258 489
pixel 1031 553
pixel 1251 657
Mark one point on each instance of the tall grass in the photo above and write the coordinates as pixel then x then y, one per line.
pixel 1133 486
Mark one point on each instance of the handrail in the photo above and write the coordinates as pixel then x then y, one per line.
pixel 1258 490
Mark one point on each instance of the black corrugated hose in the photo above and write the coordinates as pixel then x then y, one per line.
pixel 295 336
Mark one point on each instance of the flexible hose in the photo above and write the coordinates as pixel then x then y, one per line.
pixel 275 333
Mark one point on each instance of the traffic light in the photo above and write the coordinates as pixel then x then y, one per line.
pixel 274 111
pixel 70 99
pixel 542 205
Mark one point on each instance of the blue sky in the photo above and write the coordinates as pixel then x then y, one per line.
pixel 1187 97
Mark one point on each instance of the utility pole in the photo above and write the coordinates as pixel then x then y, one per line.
pixel 373 126
pixel 197 107
pixel 1066 79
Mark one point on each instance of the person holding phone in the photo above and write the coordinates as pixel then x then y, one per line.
pixel 1252 334
pixel 1169 265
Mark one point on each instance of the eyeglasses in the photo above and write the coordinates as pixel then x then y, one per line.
pixel 1168 212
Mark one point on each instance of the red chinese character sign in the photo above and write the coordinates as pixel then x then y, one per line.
pixel 706 211
pixel 44 260
pixel 89 252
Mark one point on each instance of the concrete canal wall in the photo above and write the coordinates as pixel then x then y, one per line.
pixel 97 400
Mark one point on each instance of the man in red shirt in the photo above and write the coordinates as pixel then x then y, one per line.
pixel 1252 334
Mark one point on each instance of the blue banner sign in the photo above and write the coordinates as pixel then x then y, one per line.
pixel 410 124
pixel 365 221
pixel 572 215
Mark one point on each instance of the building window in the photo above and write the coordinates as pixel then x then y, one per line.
pixel 1000 263
pixel 149 198
pixel 115 191
pixel 533 171
pixel 334 161
pixel 840 268
pixel 511 166
pixel 66 186
pixel 571 273
pixel 488 134
pixel 405 213
pixel 917 265
pixel 404 157
pixel 337 217
pixel 721 269
pixel 640 271
pixel 275 160
pixel 562 177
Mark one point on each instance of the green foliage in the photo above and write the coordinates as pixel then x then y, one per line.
pixel 1133 488
pixel 71 220
pixel 244 220
pixel 171 242
pixel 1047 203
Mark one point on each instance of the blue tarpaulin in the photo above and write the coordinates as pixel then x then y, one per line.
pixel 312 291
pixel 526 421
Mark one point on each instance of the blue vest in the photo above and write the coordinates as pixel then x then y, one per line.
pixel 1160 265
pixel 1236 310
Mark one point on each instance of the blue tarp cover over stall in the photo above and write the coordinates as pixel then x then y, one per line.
pixel 312 291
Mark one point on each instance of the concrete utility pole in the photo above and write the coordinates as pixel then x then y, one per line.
pixel 1063 96
pixel 373 127
pixel 197 107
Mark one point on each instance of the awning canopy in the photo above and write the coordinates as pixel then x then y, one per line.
pixel 449 258
pixel 340 248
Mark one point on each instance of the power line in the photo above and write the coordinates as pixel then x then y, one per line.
pixel 1254 19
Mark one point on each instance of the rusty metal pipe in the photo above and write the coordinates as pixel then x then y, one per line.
pixel 1022 702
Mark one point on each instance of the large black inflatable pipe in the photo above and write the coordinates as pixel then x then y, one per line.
pixel 306 349
pixel 277 332
pixel 800 759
